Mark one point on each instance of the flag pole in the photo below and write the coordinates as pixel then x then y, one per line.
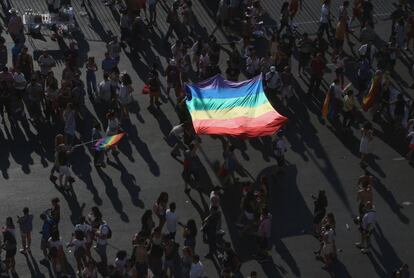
pixel 86 143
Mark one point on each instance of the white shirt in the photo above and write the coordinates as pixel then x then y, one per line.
pixel 280 147
pixel 369 219
pixel 171 221
pixel 324 14
pixel 19 81
pixel 273 79
pixel 364 48
pixel 252 64
pixel 105 90
pixel 123 94
pixel 86 229
pixel 103 231
pixel 79 244
pixel 46 63
pixel 177 130
pixel 56 244
pixel 197 270
pixel 336 90
pixel 411 135
pixel 214 199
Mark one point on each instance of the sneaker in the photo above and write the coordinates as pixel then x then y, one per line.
pixel 358 244
pixel 23 251
pixel 365 251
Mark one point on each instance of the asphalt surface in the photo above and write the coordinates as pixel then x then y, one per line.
pixel 319 158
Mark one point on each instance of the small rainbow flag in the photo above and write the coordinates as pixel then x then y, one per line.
pixel 328 108
pixel 107 142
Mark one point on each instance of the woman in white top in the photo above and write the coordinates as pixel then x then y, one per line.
pixel 366 138
pixel 78 242
pixel 125 95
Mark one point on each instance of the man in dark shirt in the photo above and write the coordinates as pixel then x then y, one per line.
pixel 173 21
pixel 318 66
pixel 367 11
pixel 3 53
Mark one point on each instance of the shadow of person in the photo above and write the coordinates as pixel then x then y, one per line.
pixel 264 145
pixel 389 197
pixel 72 200
pixel 135 108
pixel 129 181
pixel 339 270
pixel 270 268
pixel 82 169
pixel 112 194
pixel 33 267
pixel 142 148
pixel 4 154
pixel 96 25
pixel 386 254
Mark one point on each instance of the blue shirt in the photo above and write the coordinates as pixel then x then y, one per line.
pixel 108 64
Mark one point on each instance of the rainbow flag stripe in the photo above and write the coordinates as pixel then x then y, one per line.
pixel 373 93
pixel 106 142
pixel 329 106
pixel 222 107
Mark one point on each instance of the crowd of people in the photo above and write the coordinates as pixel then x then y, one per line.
pixel 32 85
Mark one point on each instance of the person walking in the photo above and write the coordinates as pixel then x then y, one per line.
pixel 349 109
pixel 210 228
pixel 367 227
pixel 319 210
pixel 364 146
pixel 264 234
pixel 171 220
pixel 325 20
pixel 26 226
pixel 102 234
pixel 173 21
pixel 91 69
pixel 160 208
pixel 125 95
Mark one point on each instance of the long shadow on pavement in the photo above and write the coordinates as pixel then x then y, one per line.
pixel 112 194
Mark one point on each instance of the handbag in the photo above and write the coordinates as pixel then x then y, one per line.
pixel 146 89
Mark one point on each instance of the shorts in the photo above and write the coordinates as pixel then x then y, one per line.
pixel 327 249
pixel 154 93
pixel 64 170
pixel 411 146
pixel 11 253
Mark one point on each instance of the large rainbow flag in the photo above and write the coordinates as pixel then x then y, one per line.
pixel 222 107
